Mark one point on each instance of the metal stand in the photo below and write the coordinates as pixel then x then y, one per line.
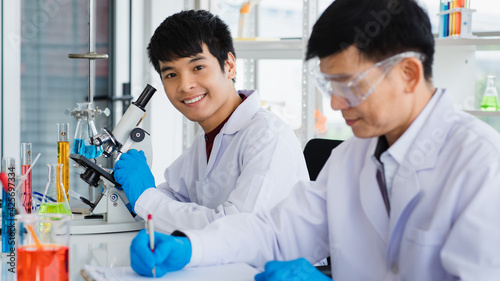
pixel 91 55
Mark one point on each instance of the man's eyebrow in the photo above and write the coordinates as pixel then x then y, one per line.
pixel 194 59
pixel 165 68
pixel 197 58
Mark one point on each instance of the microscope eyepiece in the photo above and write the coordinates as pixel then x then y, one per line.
pixel 145 96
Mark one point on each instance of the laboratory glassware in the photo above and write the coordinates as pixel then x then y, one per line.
pixel 85 130
pixel 63 155
pixel 490 96
pixel 8 203
pixel 26 186
pixel 53 191
pixel 42 247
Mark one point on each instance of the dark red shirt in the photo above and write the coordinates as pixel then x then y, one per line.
pixel 210 136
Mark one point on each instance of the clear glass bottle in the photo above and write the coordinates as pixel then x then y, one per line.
pixel 26 186
pixel 54 190
pixel 85 129
pixel 490 96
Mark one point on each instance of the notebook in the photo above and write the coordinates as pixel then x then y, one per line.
pixel 232 272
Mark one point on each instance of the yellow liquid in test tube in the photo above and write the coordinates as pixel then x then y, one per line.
pixel 63 158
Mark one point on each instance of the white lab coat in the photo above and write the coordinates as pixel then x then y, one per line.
pixel 444 222
pixel 255 161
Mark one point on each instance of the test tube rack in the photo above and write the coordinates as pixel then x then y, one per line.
pixel 455 19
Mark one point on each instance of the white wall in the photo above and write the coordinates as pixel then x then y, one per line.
pixel 163 121
pixel 454 68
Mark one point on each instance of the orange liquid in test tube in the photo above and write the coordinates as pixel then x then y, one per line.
pixel 47 263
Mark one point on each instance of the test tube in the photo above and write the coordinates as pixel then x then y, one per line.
pixel 8 205
pixel 26 186
pixel 63 158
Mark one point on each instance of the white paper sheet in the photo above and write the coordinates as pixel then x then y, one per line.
pixel 229 272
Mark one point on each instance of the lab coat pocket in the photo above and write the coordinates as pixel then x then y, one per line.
pixel 422 249
pixel 425 237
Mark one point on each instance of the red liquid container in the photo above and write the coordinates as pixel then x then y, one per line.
pixel 46 263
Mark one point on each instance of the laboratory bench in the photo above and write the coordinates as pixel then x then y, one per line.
pixel 112 250
pixel 109 249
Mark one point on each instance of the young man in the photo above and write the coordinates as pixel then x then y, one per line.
pixel 413 196
pixel 244 159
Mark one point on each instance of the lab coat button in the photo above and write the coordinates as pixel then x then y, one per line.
pixel 394 268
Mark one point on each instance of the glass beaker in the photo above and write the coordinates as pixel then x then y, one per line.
pixel 85 129
pixel 54 190
pixel 42 243
pixel 490 97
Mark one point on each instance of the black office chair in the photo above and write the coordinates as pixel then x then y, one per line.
pixel 316 152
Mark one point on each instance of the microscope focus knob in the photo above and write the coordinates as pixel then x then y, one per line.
pixel 91 177
pixel 137 134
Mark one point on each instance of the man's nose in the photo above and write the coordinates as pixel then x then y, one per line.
pixel 339 103
pixel 187 83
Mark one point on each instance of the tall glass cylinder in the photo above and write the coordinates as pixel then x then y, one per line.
pixel 54 187
pixel 8 204
pixel 26 186
pixel 63 157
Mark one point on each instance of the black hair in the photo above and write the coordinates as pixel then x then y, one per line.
pixel 378 28
pixel 183 34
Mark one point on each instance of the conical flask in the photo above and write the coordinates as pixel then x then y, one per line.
pixel 85 129
pixel 490 97
pixel 54 190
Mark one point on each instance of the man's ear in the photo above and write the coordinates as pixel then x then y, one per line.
pixel 412 72
pixel 230 66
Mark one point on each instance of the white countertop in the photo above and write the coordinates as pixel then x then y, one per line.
pixel 110 250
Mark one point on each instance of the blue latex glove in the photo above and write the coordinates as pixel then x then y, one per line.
pixel 297 270
pixel 133 173
pixel 171 253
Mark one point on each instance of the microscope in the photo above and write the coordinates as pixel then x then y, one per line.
pixel 112 207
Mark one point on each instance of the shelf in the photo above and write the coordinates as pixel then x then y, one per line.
pixel 476 112
pixel 476 41
pixel 269 49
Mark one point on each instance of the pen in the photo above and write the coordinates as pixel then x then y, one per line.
pixel 151 231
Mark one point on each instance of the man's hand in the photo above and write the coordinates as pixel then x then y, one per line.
pixel 133 173
pixel 296 270
pixel 171 253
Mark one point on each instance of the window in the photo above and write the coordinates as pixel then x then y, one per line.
pixel 51 82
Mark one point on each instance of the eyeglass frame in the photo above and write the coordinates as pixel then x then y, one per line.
pixel 346 92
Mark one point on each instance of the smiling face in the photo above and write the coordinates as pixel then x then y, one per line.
pixel 391 108
pixel 199 89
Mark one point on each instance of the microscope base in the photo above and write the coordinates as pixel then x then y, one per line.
pixel 94 226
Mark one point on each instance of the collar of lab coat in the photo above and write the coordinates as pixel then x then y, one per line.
pixel 243 113
pixel 422 154
pixel 240 116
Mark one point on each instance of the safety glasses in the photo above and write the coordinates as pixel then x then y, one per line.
pixel 356 87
